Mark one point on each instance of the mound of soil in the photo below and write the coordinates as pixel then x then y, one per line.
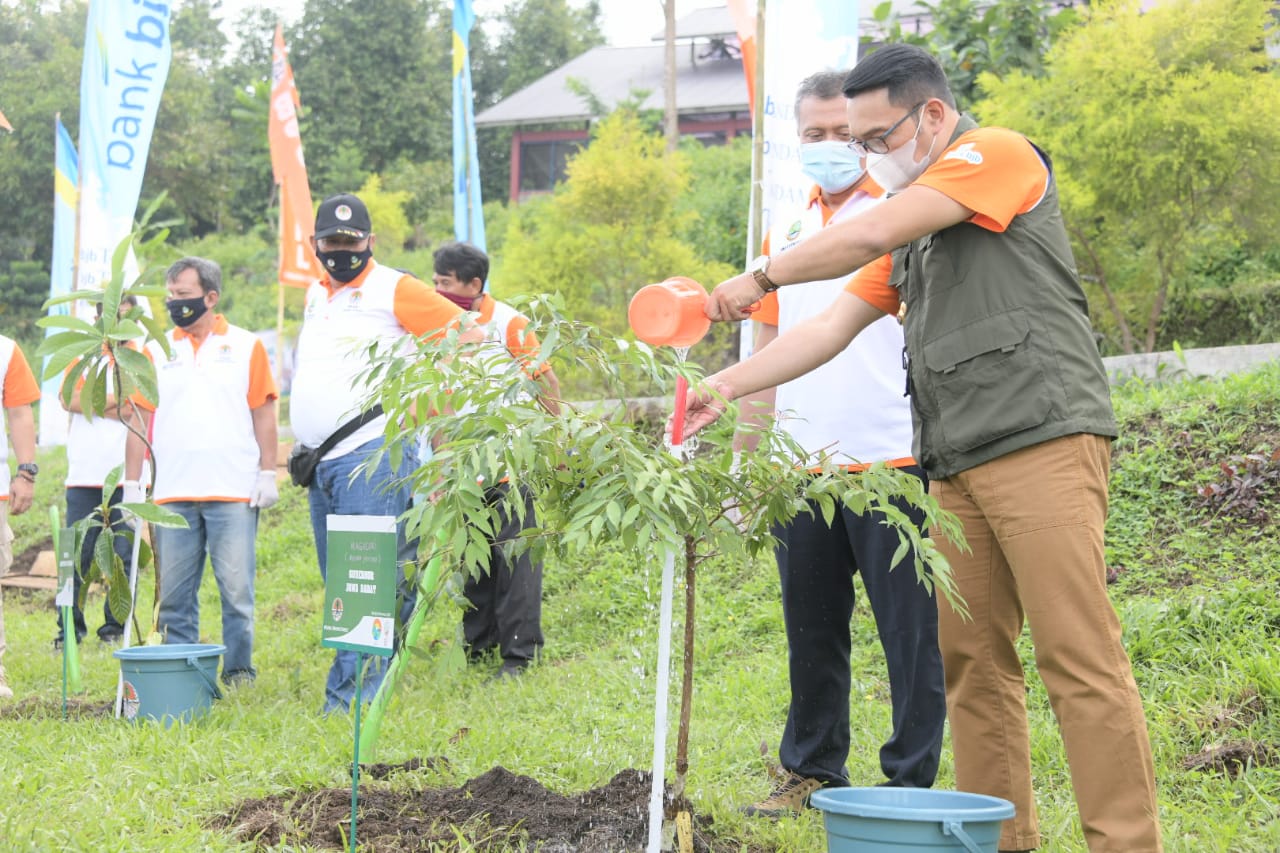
pixel 22 562
pixel 497 811
pixel 36 708
pixel 1233 758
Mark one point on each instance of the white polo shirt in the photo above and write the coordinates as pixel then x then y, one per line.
pixel 340 323
pixel 202 433
pixel 855 405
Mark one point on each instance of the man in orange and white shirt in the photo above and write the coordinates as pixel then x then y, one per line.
pixel 852 408
pixel 17 392
pixel 359 302
pixel 214 437
pixel 506 602
pixel 1013 423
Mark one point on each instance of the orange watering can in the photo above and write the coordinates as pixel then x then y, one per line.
pixel 669 313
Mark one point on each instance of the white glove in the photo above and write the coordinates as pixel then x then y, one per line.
pixel 132 493
pixel 265 493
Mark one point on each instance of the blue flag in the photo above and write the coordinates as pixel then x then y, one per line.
pixel 468 216
pixel 126 61
pixel 62 268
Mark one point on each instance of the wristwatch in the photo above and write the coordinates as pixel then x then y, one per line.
pixel 759 270
pixel 29 468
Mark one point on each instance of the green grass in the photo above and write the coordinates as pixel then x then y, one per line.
pixel 1198 593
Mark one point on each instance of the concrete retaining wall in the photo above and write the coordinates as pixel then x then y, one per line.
pixel 1211 361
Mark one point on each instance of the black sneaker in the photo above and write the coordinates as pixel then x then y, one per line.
pixel 509 670
pixel 791 796
pixel 111 638
pixel 57 641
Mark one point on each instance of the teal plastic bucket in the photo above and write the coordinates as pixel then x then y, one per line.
pixel 861 820
pixel 167 683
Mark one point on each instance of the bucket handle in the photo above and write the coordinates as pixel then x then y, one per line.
pixel 956 828
pixel 217 694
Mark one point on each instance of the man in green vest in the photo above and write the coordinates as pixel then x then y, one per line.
pixel 1012 421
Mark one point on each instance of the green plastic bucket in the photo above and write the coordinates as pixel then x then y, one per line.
pixel 861 820
pixel 177 682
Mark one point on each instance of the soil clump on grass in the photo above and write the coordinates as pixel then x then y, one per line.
pixel 36 708
pixel 496 811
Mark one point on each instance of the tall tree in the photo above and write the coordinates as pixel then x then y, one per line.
pixel 1160 126
pixel 39 76
pixel 376 78
pixel 973 37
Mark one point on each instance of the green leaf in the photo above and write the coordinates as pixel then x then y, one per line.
pixel 66 321
pixel 155 514
pixel 139 370
pixel 126 330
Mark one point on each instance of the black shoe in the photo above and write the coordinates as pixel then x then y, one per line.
pixel 509 670
pixel 111 637
pixel 57 641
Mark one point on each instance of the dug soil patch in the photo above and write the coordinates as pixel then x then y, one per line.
pixel 1233 758
pixel 497 811
pixel 36 708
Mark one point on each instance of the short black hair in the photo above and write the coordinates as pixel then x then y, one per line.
pixel 463 261
pixel 825 85
pixel 207 271
pixel 910 74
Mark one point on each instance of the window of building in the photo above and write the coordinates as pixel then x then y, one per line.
pixel 543 163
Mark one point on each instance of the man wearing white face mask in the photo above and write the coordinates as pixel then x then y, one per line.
pixel 851 407
pixel 1013 423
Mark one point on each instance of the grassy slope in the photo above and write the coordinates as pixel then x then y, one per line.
pixel 1199 603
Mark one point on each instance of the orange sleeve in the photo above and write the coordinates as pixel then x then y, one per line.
pixel 20 386
pixel 420 309
pixel 524 345
pixel 136 398
pixel 994 172
pixel 768 310
pixel 872 284
pixel 262 385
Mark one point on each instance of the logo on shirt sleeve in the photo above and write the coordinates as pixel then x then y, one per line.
pixel 964 152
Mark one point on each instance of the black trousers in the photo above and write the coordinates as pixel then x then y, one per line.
pixel 81 502
pixel 816 563
pixel 506 601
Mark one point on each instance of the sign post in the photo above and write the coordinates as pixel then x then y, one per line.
pixel 64 548
pixel 360 602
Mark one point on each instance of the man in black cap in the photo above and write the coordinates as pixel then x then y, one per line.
pixel 357 303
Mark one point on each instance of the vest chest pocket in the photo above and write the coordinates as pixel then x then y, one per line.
pixel 988 381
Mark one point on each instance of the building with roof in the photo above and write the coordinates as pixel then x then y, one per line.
pixel 551 117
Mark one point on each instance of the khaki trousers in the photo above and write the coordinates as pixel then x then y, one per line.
pixel 1034 520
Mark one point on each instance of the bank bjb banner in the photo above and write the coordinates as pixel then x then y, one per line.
pixel 126 62
pixel 802 37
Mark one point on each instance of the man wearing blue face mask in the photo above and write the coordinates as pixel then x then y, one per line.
pixel 851 407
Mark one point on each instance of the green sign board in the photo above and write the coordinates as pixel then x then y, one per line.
pixel 66 596
pixel 360 584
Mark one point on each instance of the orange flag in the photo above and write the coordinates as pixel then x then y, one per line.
pixel 744 21
pixel 4 122
pixel 298 264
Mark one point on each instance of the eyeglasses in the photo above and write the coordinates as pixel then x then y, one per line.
pixel 879 144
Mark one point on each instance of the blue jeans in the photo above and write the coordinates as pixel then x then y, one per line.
pixel 225 531
pixel 334 491
pixel 83 501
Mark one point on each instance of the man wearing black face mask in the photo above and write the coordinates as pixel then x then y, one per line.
pixel 215 441
pixel 357 303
